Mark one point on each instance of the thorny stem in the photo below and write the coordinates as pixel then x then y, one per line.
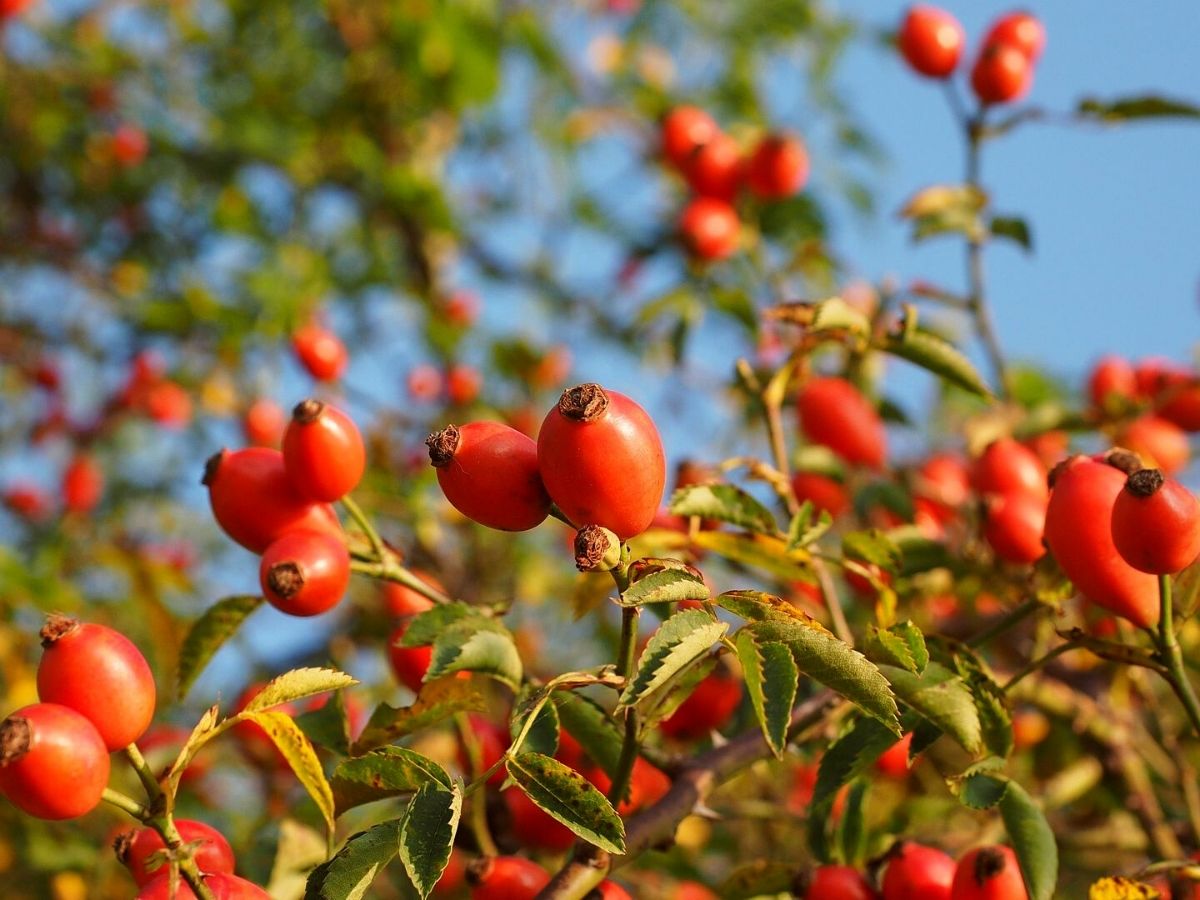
pixel 1172 658
pixel 478 821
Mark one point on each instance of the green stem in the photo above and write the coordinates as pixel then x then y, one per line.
pixel 389 571
pixel 361 520
pixel 1172 658
pixel 1038 663
pixel 478 820
pixel 625 663
pixel 127 804
pixel 145 774
pixel 977 296
pixel 1014 617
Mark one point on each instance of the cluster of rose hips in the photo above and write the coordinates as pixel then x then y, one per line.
pixel 598 458
pixel 932 40
pixel 1163 398
pixel 97 695
pixel 277 504
pixel 717 169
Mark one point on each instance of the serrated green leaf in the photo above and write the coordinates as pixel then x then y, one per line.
pixel 1014 228
pixel 666 701
pixel 982 790
pixel 218 623
pixel 297 684
pixel 902 645
pixel 299 850
pixel 543 735
pixel 438 700
pixel 873 546
pixel 756 606
pixel 301 758
pixel 808 526
pixel 850 756
pixel 383 773
pixel 477 645
pixel 679 641
pixel 942 698
pixel 757 879
pixel 940 357
pixel 918 552
pixel 1033 841
pixel 758 551
pixel 724 503
pixel 427 834
pixel 350 873
pixel 824 658
pixel 1147 106
pixel 666 586
pixel 991 702
pixel 424 628
pixel 569 798
pixel 771 679
pixel 588 722
pixel 852 829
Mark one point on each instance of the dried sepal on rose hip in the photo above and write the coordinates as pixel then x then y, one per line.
pixel 489 473
pixel 596 549
pixel 99 673
pixel 323 451
pixel 53 762
pixel 305 573
pixel 602 460
pixel 1156 523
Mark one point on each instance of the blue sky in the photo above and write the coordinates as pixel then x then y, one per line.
pixel 1115 211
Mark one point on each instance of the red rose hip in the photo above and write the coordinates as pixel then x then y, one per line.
pixel 99 673
pixel 505 878
pixel 833 412
pixel 838 883
pixel 305 573
pixel 988 873
pixel 715 168
pixel 53 762
pixel 323 452
pixel 254 502
pixel 135 848
pixel 1020 29
pixel 489 473
pixel 916 872
pixel 1001 74
pixel 1013 526
pixel 683 130
pixel 320 351
pixel 931 41
pixel 1009 467
pixel 408 663
pixel 778 168
pixel 1156 523
pixel 602 460
pixel 710 228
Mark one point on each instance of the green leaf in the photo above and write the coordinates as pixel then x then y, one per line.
pixel 725 503
pixel 1033 840
pixel 831 316
pixel 477 645
pixel 807 526
pixel 758 551
pixel 427 834
pixel 296 685
pixel 872 546
pixel 679 641
pixel 383 773
pixel 438 700
pixel 918 553
pixel 425 627
pixel 1186 591
pixel 299 850
pixel 301 758
pixel 836 665
pixel 771 678
pixel 943 209
pixel 850 756
pixel 941 697
pixel 1014 229
pixel 940 357
pixel 543 735
pixel 666 701
pixel 349 874
pixel 569 798
pixel 328 726
pixel 666 586
pixel 208 633
pixel 1148 106
pixel 757 879
pixel 982 790
pixel 756 606
pixel 991 702
pixel 587 722
pixel 852 830
pixel 901 645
